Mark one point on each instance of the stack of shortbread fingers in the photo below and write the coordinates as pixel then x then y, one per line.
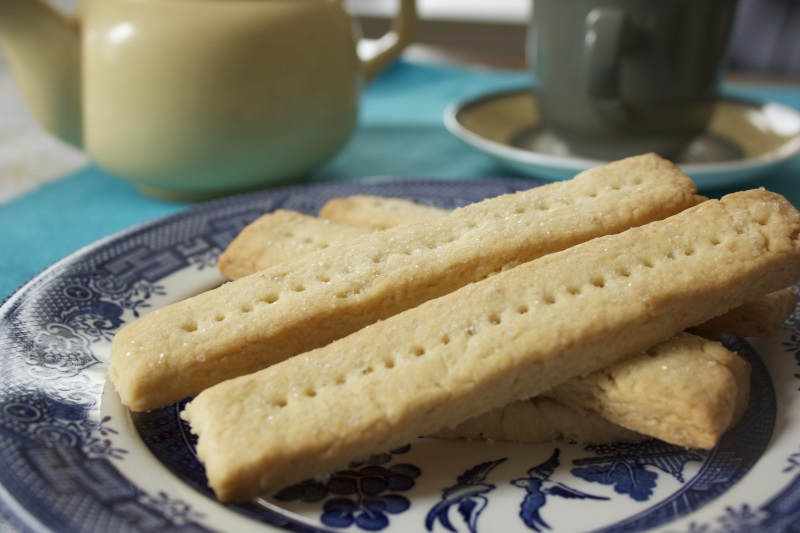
pixel 361 346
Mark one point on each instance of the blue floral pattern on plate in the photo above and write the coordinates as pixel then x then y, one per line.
pixel 364 494
pixel 73 459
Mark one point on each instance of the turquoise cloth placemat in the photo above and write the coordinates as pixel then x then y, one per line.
pixel 400 135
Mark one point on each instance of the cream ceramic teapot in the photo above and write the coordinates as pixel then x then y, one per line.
pixel 196 98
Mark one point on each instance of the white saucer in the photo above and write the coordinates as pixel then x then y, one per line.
pixel 745 139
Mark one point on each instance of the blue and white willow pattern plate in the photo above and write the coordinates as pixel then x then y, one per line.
pixel 73 459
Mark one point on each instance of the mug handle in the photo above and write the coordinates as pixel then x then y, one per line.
pixel 389 46
pixel 604 44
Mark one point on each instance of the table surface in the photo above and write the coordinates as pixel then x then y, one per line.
pixel 53 200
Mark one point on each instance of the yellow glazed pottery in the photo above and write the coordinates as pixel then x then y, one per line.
pixel 196 98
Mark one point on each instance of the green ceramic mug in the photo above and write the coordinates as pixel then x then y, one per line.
pixel 614 78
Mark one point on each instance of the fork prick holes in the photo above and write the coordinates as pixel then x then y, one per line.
pixel 574 291
pixel 270 298
pixel 348 293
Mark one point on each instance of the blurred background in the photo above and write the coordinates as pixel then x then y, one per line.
pixel 765 47
pixel 765 43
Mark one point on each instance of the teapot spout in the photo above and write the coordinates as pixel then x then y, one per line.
pixel 43 50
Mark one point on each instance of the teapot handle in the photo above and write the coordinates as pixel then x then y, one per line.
pixel 389 46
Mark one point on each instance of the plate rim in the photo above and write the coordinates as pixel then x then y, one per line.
pixel 215 205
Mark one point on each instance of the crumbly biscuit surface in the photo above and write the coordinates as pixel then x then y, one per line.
pixel 278 237
pixel 509 337
pixel 376 211
pixel 762 317
pixel 686 391
pixel 259 320
pixel 540 419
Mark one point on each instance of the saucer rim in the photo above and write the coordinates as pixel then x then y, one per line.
pixel 515 155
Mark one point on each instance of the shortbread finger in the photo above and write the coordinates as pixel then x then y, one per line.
pixel 376 212
pixel 762 317
pixel 259 320
pixel 284 234
pixel 540 419
pixel 512 336
pixel 685 391
pixel 700 425
pixel 280 236
pixel 271 240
